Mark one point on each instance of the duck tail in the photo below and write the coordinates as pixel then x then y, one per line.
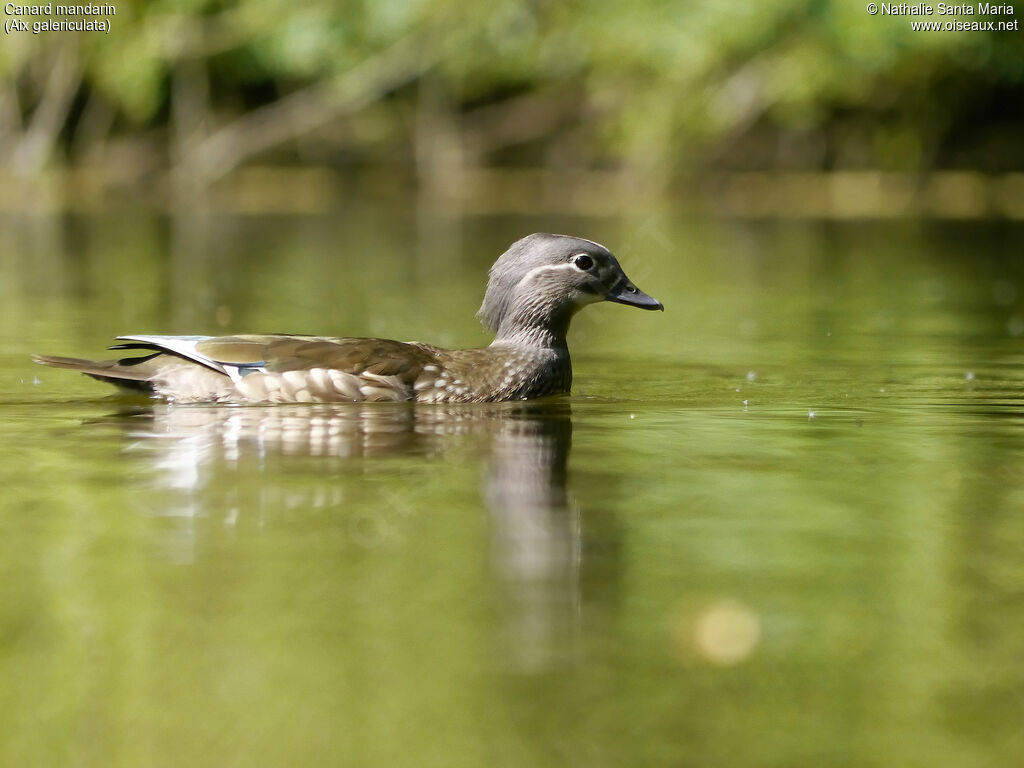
pixel 129 372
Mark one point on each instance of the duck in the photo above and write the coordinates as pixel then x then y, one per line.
pixel 533 291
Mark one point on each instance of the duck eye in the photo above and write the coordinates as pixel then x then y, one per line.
pixel 583 261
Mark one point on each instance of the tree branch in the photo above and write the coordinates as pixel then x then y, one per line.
pixel 306 110
pixel 35 146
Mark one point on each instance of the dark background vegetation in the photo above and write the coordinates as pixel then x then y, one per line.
pixel 659 92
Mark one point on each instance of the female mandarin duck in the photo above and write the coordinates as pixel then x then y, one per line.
pixel 534 289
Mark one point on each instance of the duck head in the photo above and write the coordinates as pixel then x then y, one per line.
pixel 541 281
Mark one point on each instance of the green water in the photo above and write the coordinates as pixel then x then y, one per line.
pixel 781 524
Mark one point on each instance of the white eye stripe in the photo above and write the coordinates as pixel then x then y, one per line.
pixel 546 268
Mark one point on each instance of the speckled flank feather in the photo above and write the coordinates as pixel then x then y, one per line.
pixel 321 385
pixel 533 291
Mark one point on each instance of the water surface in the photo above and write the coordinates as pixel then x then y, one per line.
pixel 781 524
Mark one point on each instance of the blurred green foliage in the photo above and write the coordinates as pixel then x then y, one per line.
pixel 659 88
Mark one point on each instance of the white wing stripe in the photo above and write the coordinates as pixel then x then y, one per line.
pixel 184 346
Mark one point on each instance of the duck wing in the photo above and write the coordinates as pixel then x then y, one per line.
pixel 292 368
pixel 237 356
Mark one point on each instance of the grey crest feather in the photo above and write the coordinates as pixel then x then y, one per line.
pixel 525 254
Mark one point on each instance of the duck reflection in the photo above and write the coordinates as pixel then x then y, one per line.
pixel 536 535
pixel 193 453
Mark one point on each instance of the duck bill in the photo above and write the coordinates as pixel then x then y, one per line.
pixel 629 294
